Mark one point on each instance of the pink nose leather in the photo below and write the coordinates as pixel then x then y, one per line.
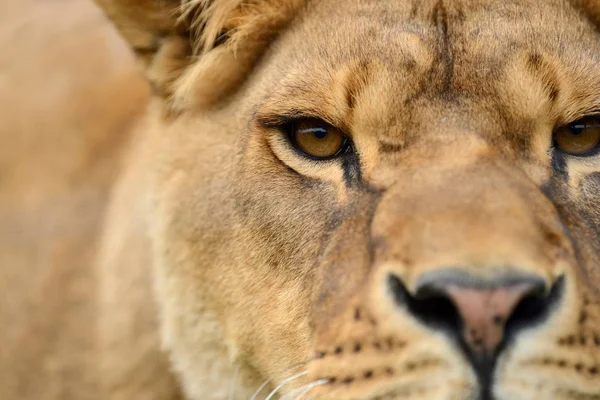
pixel 484 312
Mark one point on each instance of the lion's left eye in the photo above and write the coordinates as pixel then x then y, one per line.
pixel 580 138
pixel 317 139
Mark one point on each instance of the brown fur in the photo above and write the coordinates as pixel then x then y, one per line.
pixel 197 234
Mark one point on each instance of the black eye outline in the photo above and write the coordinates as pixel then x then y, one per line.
pixel 289 129
pixel 579 124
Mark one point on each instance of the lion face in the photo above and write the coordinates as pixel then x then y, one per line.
pixel 396 200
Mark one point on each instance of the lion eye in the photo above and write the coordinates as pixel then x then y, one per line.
pixel 317 139
pixel 581 138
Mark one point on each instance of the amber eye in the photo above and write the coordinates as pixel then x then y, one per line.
pixel 580 138
pixel 317 139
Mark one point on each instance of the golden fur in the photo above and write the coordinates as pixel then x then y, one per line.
pixel 174 246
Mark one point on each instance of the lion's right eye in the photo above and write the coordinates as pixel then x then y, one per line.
pixel 580 138
pixel 317 139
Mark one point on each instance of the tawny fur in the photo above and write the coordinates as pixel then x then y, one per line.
pixel 160 239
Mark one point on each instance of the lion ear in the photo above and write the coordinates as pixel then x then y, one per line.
pixel 156 34
pixel 195 52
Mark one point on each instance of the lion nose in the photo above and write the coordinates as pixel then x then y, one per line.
pixel 484 311
pixel 475 310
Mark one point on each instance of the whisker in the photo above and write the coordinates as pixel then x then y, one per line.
pixel 234 383
pixel 260 389
pixel 294 393
pixel 284 382
pixel 302 390
pixel 320 383
pixel 312 386
pixel 287 371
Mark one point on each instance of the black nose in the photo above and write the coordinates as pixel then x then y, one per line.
pixel 480 313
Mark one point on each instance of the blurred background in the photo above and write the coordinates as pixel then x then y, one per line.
pixel 69 93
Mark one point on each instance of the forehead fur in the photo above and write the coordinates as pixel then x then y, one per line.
pixel 462 49
pixel 198 51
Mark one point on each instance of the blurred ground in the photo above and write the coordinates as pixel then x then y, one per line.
pixel 69 91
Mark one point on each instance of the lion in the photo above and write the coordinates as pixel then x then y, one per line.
pixel 293 199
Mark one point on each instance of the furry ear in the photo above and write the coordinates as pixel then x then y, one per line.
pixel 195 52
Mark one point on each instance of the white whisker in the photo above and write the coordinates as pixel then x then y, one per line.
pixel 298 393
pixel 260 389
pixel 312 386
pixel 293 393
pixel 265 383
pixel 321 382
pixel 234 382
pixel 284 382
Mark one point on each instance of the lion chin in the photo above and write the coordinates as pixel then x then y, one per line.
pixel 293 199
